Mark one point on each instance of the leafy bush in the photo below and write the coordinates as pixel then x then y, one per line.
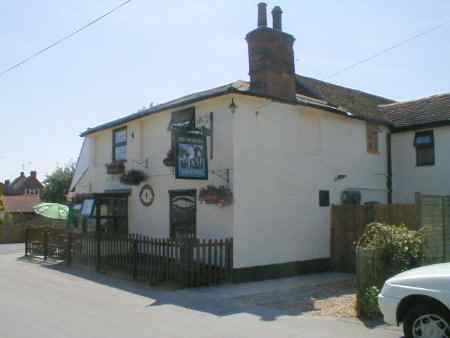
pixel 402 248
pixel 368 303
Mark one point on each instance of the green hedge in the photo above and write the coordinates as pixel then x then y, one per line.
pixel 382 252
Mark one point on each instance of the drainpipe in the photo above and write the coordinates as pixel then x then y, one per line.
pixel 389 168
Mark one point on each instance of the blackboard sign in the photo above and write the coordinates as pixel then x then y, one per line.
pixel 191 156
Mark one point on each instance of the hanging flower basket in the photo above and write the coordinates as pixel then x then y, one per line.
pixel 115 168
pixel 133 177
pixel 169 161
pixel 220 196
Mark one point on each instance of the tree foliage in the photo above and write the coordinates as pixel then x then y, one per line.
pixel 57 184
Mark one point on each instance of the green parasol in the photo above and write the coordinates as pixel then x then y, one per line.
pixel 52 210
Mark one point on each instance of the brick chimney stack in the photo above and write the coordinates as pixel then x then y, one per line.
pixel 7 187
pixel 271 57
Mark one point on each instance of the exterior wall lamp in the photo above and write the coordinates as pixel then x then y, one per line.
pixel 340 177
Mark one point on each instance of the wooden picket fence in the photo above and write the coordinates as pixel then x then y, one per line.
pixel 189 262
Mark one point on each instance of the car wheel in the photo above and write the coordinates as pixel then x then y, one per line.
pixel 427 321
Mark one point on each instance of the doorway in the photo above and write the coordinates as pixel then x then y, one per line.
pixel 183 213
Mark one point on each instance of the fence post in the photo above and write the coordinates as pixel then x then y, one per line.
pixel 69 249
pixel 230 263
pixel 27 238
pixel 186 261
pixel 98 238
pixel 444 227
pixel 418 211
pixel 135 258
pixel 45 232
pixel 370 214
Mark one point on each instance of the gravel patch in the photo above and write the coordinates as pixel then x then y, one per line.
pixel 335 299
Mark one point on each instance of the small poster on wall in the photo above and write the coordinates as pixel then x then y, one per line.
pixel 191 156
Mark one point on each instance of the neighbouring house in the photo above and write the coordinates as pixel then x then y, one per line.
pixel 21 194
pixel 420 141
pixel 2 207
pixel 23 185
pixel 259 161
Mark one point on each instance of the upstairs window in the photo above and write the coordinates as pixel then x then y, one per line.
pixel 424 144
pixel 372 139
pixel 183 119
pixel 120 144
pixel 324 198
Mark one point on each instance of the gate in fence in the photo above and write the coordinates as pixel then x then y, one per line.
pixel 46 242
pixel 433 213
pixel 190 262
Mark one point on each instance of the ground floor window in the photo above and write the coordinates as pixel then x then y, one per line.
pixel 105 212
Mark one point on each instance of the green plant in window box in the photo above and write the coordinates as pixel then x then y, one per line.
pixel 115 167
pixel 133 177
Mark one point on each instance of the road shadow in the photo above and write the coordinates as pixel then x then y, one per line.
pixel 264 305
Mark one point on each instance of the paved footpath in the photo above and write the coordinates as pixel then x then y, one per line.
pixel 55 302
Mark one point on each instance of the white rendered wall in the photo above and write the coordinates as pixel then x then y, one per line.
pixel 283 155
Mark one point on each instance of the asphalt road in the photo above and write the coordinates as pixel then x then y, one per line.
pixel 42 301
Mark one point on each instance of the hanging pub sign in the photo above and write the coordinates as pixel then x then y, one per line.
pixel 191 161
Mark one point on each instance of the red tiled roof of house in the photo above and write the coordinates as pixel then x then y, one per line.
pixel 20 204
pixel 427 110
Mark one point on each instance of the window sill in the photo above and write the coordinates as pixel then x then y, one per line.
pixel 425 165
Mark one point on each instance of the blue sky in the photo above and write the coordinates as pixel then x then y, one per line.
pixel 152 51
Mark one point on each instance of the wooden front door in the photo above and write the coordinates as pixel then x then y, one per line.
pixel 183 213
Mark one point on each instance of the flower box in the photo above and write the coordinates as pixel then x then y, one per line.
pixel 115 168
pixel 220 196
pixel 133 177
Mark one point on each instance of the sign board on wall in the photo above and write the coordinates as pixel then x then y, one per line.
pixel 191 160
pixel 147 195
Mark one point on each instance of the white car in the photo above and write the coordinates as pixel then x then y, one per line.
pixel 420 299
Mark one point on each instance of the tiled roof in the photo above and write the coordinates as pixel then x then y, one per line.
pixel 345 101
pixel 421 112
pixel 19 204
pixel 358 103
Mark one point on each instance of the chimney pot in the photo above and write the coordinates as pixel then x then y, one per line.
pixel 22 174
pixel 276 17
pixel 33 173
pixel 262 14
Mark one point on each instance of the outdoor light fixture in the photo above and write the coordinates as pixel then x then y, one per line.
pixel 232 106
pixel 340 177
